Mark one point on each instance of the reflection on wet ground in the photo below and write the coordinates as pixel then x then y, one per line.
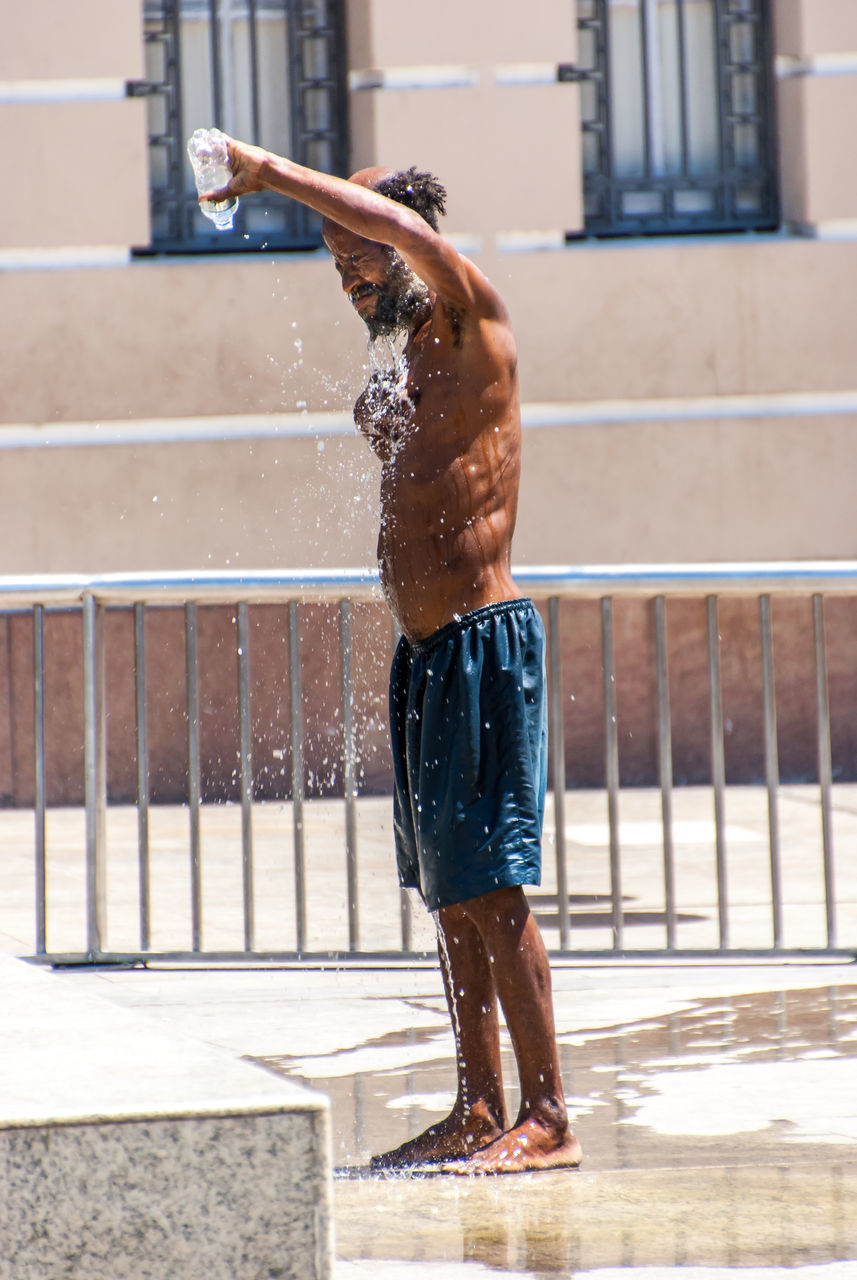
pixel 721 1135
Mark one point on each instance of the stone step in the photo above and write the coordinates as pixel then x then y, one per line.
pixel 129 1151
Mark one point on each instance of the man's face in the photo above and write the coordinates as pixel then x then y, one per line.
pixel 381 288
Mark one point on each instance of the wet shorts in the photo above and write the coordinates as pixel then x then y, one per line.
pixel 468 720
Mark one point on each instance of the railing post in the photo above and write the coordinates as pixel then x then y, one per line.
pixel 95 771
pixel 772 766
pixel 718 766
pixel 297 776
pixel 193 774
pixel 39 798
pixel 825 765
pixel 665 764
pixel 246 771
pixel 349 775
pixel 142 775
pixel 557 741
pixel 612 769
pixel 405 914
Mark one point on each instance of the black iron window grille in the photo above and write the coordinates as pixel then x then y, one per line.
pixel 677 116
pixel 270 72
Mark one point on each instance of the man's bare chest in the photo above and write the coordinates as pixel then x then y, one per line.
pixel 418 395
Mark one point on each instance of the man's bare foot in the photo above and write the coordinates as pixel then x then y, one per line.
pixel 451 1139
pixel 530 1145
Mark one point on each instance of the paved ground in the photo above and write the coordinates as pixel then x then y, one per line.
pixel 716 1104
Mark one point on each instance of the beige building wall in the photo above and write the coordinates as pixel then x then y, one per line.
pixel 203 401
pixel 81 162
pixel 816 45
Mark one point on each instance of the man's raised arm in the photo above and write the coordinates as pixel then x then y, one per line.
pixel 366 213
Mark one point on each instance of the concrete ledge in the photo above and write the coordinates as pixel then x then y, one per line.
pixel 129 1152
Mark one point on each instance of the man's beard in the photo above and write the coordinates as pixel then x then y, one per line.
pixel 398 303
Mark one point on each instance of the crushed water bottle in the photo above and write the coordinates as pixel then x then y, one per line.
pixel 209 158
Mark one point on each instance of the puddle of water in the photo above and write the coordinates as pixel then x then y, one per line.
pixel 724 1134
pixel 728 1080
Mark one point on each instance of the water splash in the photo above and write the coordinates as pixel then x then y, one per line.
pixel 387 351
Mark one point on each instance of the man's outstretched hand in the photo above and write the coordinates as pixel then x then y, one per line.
pixel 246 163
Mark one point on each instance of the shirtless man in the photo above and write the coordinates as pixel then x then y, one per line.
pixel 467 707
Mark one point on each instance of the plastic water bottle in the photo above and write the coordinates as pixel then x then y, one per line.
pixel 209 158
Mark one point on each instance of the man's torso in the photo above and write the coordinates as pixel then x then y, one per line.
pixel 449 426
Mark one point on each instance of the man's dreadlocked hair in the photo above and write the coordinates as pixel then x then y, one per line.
pixel 418 190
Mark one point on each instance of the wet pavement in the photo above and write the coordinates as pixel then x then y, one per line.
pixel 722 1135
pixel 716 1103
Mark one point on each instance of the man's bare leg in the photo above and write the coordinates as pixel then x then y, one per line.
pixel 479 1114
pixel 540 1137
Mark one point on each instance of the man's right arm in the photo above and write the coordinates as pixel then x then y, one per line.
pixel 367 213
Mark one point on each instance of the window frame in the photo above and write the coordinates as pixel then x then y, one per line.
pixel 175 202
pixel 605 192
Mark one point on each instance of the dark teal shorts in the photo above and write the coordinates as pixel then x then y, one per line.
pixel 468 719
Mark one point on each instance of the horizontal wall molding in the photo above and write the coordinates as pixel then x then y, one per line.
pixel 526 73
pixel 785 404
pixel 830 229
pixel 64 258
pixel 311 425
pixel 452 77
pixel 16 92
pixel 788 67
pixel 530 241
pixel 434 77
pixel 44 435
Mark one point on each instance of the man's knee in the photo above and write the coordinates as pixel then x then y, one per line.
pixel 500 909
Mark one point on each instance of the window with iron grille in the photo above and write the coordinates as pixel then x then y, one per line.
pixel 678 116
pixel 267 71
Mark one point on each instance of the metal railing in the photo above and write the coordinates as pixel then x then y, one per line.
pixel 93 596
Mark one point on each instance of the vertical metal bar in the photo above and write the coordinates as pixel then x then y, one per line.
pixel 606 114
pixel 216 85
pixel 825 765
pixel 653 107
pixel 253 19
pixel 665 764
pixel 726 151
pixel 772 767
pixel 94 754
pixel 180 200
pixel 718 766
pixel 611 729
pixel 193 774
pixel 297 776
pixel 294 59
pixel 681 38
pixel 142 775
pixel 227 66
pixel 404 897
pixel 557 741
pixel 349 775
pixel 246 770
pixel 39 799
pixel 406 922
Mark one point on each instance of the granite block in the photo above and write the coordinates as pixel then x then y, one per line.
pixel 239 1197
pixel 131 1152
